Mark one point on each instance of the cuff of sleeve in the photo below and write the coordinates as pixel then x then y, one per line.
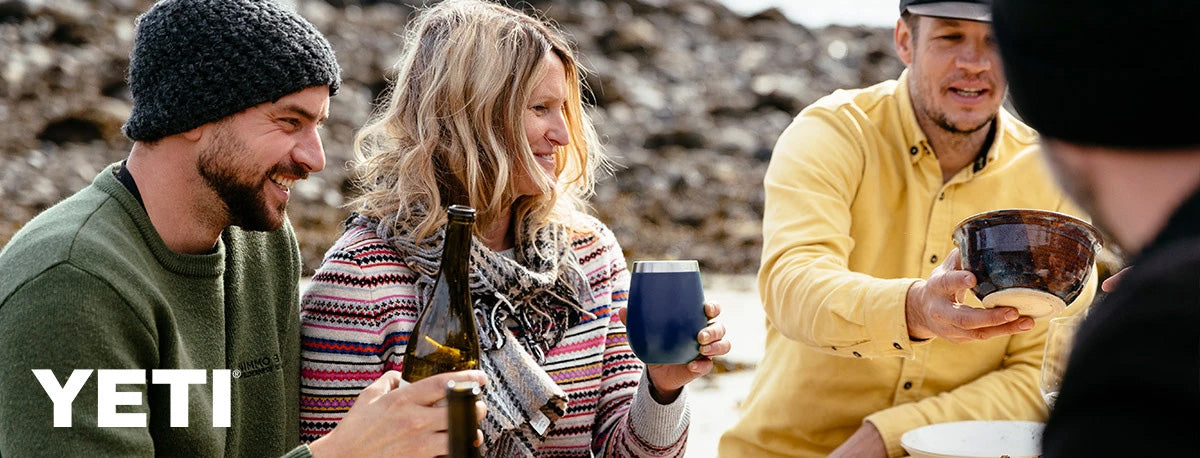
pixel 886 327
pixel 658 424
pixel 299 452
pixel 892 423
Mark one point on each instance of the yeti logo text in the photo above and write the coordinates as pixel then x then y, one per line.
pixel 109 398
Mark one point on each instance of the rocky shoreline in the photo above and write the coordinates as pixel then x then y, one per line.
pixel 688 96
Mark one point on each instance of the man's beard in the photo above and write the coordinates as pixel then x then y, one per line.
pixel 920 101
pixel 939 119
pixel 243 196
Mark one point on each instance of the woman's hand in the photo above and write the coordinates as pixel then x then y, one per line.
pixel 667 380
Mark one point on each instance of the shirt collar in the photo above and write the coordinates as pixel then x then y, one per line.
pixel 914 137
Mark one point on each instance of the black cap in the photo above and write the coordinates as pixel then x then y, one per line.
pixel 971 10
pixel 1103 72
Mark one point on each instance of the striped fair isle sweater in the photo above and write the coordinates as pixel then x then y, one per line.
pixel 361 306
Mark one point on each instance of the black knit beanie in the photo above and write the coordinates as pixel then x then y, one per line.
pixel 198 61
pixel 1112 73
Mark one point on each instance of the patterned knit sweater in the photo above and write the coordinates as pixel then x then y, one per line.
pixel 362 304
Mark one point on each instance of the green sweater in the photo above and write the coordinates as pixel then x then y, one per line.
pixel 89 284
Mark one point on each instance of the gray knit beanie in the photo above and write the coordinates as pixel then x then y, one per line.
pixel 198 61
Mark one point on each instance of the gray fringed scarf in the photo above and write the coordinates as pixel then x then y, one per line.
pixel 523 307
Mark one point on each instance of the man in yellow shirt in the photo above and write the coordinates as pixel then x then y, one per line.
pixel 865 338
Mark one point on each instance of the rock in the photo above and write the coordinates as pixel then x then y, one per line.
pixel 734 140
pixel 108 115
pixel 689 139
pixel 780 91
pixel 73 23
pixel 636 36
pixel 14 11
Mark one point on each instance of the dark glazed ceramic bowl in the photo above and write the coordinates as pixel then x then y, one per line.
pixel 1036 261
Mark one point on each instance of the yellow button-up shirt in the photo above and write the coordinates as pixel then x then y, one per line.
pixel 856 212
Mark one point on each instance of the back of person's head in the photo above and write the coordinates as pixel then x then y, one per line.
pixel 1112 73
pixel 452 130
pixel 199 61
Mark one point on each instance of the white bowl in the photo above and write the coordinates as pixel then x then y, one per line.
pixel 975 439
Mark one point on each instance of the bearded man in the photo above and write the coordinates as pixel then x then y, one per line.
pixel 180 258
pixel 866 336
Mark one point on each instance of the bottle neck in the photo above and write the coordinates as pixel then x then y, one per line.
pixel 456 254
pixel 461 398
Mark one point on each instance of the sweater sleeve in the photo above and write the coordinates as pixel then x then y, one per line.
pixel 62 320
pixel 629 422
pixel 301 451
pixel 354 323
pixel 808 291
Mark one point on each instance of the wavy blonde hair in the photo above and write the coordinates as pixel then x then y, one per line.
pixel 452 131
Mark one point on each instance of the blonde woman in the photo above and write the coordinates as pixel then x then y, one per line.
pixel 486 111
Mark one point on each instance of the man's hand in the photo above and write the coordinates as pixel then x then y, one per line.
pixel 933 308
pixel 667 380
pixel 1111 282
pixel 866 443
pixel 393 418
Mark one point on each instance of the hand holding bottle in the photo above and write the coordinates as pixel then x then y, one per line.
pixel 394 418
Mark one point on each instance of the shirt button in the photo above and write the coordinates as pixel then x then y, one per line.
pixel 942 196
pixel 933 259
pixel 907 385
pixel 858 355
pixel 897 345
pixel 913 151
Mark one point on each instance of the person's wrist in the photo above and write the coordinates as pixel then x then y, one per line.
pixel 660 395
pixel 323 447
pixel 913 318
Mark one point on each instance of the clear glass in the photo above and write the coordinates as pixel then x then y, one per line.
pixel 1059 340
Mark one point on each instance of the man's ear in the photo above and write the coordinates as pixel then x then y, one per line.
pixel 196 133
pixel 904 42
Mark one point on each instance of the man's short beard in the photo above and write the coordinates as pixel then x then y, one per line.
pixel 940 120
pixel 244 198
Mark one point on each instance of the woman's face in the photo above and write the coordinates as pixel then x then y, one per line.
pixel 545 123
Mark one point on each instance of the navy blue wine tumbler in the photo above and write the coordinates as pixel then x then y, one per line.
pixel 666 311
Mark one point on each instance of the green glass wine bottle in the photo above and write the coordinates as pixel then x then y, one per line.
pixel 445 338
pixel 461 397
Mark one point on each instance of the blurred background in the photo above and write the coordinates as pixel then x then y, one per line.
pixel 689 96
